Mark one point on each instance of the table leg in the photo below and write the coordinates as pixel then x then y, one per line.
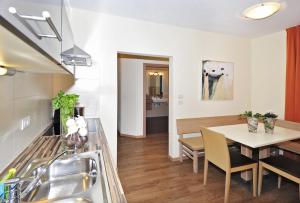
pixel 264 153
pixel 247 151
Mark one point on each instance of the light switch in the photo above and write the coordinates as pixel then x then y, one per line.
pixel 180 99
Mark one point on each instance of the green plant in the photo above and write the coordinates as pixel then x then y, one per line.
pixel 246 114
pixel 65 103
pixel 250 114
pixel 270 115
pixel 258 116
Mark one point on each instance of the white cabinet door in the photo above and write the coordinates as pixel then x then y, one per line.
pixel 52 46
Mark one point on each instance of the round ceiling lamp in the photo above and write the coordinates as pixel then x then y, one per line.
pixel 262 10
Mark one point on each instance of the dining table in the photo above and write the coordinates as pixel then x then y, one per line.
pixel 259 141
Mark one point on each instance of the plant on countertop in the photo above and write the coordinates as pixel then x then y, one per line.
pixel 77 132
pixel 65 103
pixel 77 125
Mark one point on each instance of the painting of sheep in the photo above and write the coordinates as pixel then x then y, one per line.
pixel 217 80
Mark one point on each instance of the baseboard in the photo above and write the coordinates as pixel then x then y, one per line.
pixel 132 136
pixel 177 158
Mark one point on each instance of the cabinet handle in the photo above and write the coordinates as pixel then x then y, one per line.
pixel 45 18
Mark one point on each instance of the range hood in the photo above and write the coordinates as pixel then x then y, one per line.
pixel 76 56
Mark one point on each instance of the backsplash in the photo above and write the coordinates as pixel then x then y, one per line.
pixel 23 95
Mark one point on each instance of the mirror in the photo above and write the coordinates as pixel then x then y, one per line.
pixel 155 85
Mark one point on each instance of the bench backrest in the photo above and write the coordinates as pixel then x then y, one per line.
pixel 193 125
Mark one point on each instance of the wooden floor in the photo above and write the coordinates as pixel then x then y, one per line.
pixel 147 175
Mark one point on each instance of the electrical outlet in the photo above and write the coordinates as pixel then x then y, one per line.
pixel 25 122
pixel 28 121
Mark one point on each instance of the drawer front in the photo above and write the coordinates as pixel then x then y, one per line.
pixel 35 8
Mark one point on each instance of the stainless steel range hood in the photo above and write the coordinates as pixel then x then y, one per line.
pixel 76 56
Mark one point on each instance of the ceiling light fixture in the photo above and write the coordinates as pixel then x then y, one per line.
pixel 7 71
pixel 262 10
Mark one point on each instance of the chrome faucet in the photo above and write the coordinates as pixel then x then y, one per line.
pixel 14 185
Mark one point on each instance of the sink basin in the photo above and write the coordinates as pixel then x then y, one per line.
pixel 64 167
pixel 69 179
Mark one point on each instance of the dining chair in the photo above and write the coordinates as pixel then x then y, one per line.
pixel 281 165
pixel 193 147
pixel 217 152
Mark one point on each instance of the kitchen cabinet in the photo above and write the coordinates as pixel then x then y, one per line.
pixel 66 33
pixel 28 17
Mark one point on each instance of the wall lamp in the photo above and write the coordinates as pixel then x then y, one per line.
pixel 7 71
pixel 156 73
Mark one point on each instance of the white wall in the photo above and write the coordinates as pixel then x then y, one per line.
pixel 268 73
pixel 86 85
pixel 22 95
pixel 104 35
pixel 131 109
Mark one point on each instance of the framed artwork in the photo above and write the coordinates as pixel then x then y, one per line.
pixel 217 80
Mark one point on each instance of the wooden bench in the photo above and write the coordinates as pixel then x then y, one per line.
pixel 290 146
pixel 192 147
pixel 283 166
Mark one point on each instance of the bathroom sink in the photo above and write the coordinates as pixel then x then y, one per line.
pixel 74 178
pixel 159 100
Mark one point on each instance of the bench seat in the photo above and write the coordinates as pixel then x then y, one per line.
pixel 196 143
pixel 284 164
pixel 281 165
pixel 290 146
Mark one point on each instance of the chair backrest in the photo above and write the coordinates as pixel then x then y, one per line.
pixel 216 149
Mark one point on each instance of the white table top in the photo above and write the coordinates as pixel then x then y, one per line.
pixel 239 133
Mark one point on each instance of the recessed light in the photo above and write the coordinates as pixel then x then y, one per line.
pixel 262 10
pixel 7 71
pixel 3 71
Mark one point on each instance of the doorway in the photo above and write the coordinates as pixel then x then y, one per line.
pixel 156 98
pixel 143 95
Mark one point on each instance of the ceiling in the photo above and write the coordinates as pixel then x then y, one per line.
pixel 223 16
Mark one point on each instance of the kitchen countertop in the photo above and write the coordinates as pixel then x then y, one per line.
pixel 48 146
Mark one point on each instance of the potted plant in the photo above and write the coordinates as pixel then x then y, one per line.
pixel 269 122
pixel 252 120
pixel 77 132
pixel 65 103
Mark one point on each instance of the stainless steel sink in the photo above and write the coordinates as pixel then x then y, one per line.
pixel 73 178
